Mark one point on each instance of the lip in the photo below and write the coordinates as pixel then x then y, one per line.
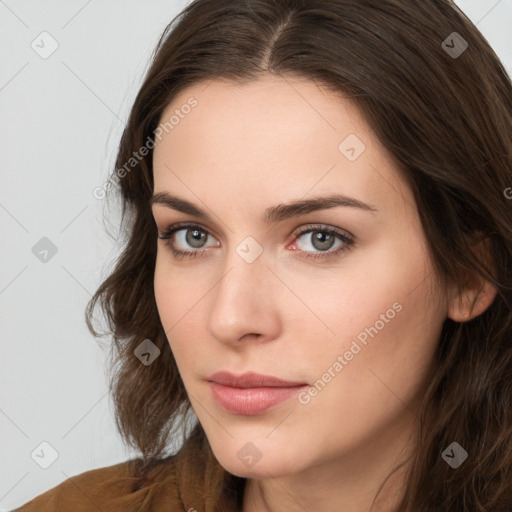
pixel 251 393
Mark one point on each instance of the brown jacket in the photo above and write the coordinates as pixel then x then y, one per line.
pixel 190 481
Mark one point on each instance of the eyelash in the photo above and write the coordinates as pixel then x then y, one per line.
pixel 347 240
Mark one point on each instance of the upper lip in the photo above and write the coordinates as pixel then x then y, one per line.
pixel 251 380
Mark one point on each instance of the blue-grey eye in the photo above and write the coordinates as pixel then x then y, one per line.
pixel 194 237
pixel 322 241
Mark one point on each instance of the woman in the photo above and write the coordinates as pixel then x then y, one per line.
pixel 318 268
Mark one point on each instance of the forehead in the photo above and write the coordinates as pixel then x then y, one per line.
pixel 270 111
pixel 272 136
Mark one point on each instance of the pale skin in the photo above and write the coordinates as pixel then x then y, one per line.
pixel 243 149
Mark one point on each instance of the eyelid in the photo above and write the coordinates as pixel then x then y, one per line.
pixel 346 237
pixel 171 228
pixel 297 232
pixel 167 235
pixel 348 240
pixel 326 228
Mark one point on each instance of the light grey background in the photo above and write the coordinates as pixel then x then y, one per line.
pixel 61 120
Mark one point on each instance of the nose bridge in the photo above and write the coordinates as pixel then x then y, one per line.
pixel 243 302
pixel 244 279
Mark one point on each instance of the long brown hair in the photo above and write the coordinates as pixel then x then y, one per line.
pixel 446 118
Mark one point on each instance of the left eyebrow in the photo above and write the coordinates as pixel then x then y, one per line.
pixel 276 213
pixel 303 207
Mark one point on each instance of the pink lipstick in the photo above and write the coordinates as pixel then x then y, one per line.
pixel 251 393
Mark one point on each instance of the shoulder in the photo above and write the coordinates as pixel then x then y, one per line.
pixel 114 488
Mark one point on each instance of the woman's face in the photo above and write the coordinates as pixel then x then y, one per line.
pixel 339 299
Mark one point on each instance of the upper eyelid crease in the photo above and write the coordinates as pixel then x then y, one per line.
pixel 276 213
pixel 306 229
pixel 347 238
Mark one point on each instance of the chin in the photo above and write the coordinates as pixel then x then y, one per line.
pixel 248 461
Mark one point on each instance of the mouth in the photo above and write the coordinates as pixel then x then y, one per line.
pixel 251 393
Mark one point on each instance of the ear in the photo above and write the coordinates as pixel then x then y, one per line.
pixel 478 294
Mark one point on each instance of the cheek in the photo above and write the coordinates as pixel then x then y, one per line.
pixel 386 324
pixel 348 299
pixel 178 288
pixel 175 296
pixel 378 306
pixel 182 294
pixel 369 377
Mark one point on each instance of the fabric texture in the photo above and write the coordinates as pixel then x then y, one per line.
pixel 190 481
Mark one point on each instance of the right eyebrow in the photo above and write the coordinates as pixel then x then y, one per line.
pixel 176 203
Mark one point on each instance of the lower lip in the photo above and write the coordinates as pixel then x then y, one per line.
pixel 250 401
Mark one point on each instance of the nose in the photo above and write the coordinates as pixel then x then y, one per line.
pixel 244 303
